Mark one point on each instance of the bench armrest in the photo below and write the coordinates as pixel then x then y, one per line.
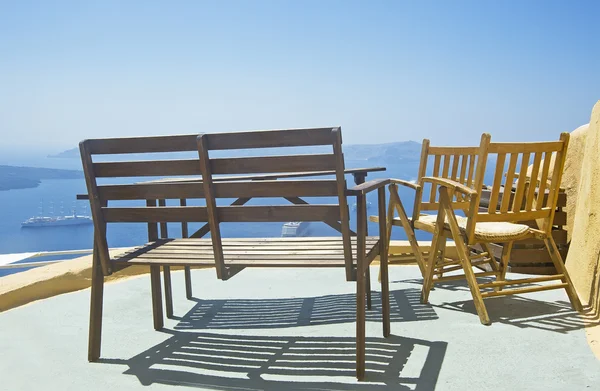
pixel 367 187
pixel 451 185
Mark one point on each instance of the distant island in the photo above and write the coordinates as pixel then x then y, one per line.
pixel 14 177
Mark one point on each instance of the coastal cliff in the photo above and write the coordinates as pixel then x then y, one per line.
pixel 14 177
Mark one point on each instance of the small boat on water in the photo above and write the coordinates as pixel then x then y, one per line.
pixel 295 228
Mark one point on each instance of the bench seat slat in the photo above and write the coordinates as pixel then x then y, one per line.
pixel 265 253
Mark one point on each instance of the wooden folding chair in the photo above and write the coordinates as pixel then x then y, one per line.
pixel 459 164
pixel 533 200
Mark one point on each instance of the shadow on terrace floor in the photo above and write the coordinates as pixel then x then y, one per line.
pixel 232 362
pixel 523 312
pixel 405 306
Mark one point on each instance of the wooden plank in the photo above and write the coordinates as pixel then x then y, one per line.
pixel 537 159
pixel 510 174
pixel 151 191
pixel 495 191
pixel 453 150
pixel 211 207
pixel 436 171
pixel 530 255
pixel 332 223
pixel 147 168
pixel 272 164
pixel 96 205
pixel 463 169
pixel 470 178
pixel 542 197
pixel 231 256
pixel 227 241
pixel 513 216
pixel 517 291
pixel 270 138
pixel 123 145
pixel 184 225
pixel 435 206
pixel 169 214
pixel 339 262
pixel 455 161
pixel 300 188
pixel 164 233
pixel 521 281
pixel 544 269
pixel 518 148
pixel 521 181
pixel 446 166
pixel 278 213
pixel 343 213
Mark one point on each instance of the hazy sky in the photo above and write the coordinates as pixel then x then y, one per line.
pixel 384 71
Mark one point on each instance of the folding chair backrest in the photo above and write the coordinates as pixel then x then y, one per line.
pixel 149 161
pixel 465 165
pixel 290 189
pixel 516 196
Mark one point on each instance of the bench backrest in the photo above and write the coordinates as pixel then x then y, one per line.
pixel 290 189
pixel 148 161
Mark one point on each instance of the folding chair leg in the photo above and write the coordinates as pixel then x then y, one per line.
pixel 388 231
pixel 441 255
pixel 560 268
pixel 463 254
pixel 493 264
pixel 471 280
pixel 168 291
pixel 506 250
pixel 157 312
pixel 97 293
pixel 360 324
pixel 188 282
pixel 430 266
pixel 408 229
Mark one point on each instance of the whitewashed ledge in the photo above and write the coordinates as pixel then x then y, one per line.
pixel 75 274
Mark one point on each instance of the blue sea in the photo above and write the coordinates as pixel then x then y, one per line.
pixel 19 205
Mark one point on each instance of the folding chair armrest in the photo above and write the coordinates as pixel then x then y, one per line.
pixel 451 185
pixel 413 186
pixel 367 187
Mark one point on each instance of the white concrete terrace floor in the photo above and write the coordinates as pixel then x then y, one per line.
pixel 293 329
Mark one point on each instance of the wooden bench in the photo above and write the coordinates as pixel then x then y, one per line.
pixel 352 252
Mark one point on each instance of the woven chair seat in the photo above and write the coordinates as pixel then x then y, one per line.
pixel 484 231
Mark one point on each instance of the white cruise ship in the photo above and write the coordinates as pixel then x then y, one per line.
pixel 46 221
pixel 55 221
pixel 295 228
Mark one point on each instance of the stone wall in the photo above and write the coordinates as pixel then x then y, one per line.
pixel 584 252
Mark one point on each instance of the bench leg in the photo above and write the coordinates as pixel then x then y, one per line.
pixel 156 297
pixel 168 291
pixel 360 325
pixel 368 287
pixel 385 295
pixel 97 292
pixel 188 282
